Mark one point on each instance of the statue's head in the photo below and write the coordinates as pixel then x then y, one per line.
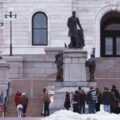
pixel 73 13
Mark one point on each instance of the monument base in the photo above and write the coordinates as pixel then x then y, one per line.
pixel 70 86
pixel 74 76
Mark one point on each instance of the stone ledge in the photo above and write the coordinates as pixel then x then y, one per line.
pixel 13 58
pixel 3 63
pixel 53 50
pixel 74 84
pixel 74 53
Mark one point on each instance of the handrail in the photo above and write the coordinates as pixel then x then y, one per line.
pixel 6 98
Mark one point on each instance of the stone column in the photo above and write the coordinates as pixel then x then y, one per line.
pixel 74 65
pixel 4 67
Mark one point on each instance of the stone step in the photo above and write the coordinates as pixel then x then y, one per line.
pixel 74 84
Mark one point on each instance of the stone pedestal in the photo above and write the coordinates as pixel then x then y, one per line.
pixel 4 67
pixel 74 65
pixel 74 76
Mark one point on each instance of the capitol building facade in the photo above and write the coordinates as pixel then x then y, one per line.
pixel 43 23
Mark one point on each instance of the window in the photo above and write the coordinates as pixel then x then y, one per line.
pixel 39 29
pixel 110 37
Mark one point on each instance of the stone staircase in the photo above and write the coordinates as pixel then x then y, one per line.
pixel 34 108
pixel 35 104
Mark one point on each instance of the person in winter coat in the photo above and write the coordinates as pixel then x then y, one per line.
pixel 82 98
pixel 67 101
pixel 46 102
pixel 91 99
pixel 24 103
pixel 97 104
pixel 17 98
pixel 116 98
pixel 107 99
pixel 76 102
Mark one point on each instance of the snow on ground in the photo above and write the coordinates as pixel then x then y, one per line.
pixel 69 115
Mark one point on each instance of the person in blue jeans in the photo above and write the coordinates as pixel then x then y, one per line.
pixel 91 99
pixel 107 99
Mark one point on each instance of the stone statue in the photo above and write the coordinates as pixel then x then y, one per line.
pixel 77 37
pixel 59 63
pixel 91 64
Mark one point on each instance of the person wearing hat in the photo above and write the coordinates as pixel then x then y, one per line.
pixel 24 102
pixel 91 99
pixel 17 98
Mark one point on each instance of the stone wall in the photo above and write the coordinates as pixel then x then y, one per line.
pixel 57 12
pixel 43 67
pixel 31 66
pixel 39 66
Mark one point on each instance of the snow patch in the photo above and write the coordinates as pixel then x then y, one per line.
pixel 69 115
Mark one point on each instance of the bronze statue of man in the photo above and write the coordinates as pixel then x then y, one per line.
pixel 77 38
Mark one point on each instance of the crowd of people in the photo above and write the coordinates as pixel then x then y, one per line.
pixel 109 98
pixel 76 101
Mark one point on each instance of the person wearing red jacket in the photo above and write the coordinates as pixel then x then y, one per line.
pixel 17 98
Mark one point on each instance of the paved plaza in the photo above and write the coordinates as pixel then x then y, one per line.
pixel 15 118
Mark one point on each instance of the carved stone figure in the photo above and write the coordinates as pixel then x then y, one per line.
pixel 77 37
pixel 91 64
pixel 59 63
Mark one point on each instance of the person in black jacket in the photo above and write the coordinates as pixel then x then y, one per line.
pixel 97 104
pixel 82 99
pixel 107 99
pixel 116 97
pixel 67 101
pixel 76 102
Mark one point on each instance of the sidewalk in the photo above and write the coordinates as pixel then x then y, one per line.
pixel 23 118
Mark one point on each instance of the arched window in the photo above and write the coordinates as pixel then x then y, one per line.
pixel 110 35
pixel 39 29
